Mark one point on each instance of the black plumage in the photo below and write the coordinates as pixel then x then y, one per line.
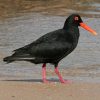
pixel 51 47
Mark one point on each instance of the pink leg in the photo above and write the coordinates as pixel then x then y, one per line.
pixel 60 77
pixel 44 73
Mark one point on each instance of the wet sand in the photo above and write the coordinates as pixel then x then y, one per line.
pixel 10 90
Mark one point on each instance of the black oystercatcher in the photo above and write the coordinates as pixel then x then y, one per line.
pixel 52 47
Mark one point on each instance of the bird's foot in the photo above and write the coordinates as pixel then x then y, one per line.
pixel 65 81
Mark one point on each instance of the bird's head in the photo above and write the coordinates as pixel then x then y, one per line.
pixel 75 20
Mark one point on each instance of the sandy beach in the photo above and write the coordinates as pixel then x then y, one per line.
pixel 12 90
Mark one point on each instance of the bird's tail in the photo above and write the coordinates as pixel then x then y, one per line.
pixel 18 57
pixel 8 59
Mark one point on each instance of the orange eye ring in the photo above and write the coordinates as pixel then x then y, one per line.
pixel 76 18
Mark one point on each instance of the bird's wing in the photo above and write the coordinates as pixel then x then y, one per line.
pixel 50 50
pixel 44 38
pixel 51 45
pixel 51 36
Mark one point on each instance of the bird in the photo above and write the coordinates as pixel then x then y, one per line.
pixel 52 47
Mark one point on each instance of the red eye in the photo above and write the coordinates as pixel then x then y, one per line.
pixel 76 18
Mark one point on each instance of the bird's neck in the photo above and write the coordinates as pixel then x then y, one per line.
pixel 72 29
pixel 74 32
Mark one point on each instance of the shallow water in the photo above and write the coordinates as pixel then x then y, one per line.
pixel 81 65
